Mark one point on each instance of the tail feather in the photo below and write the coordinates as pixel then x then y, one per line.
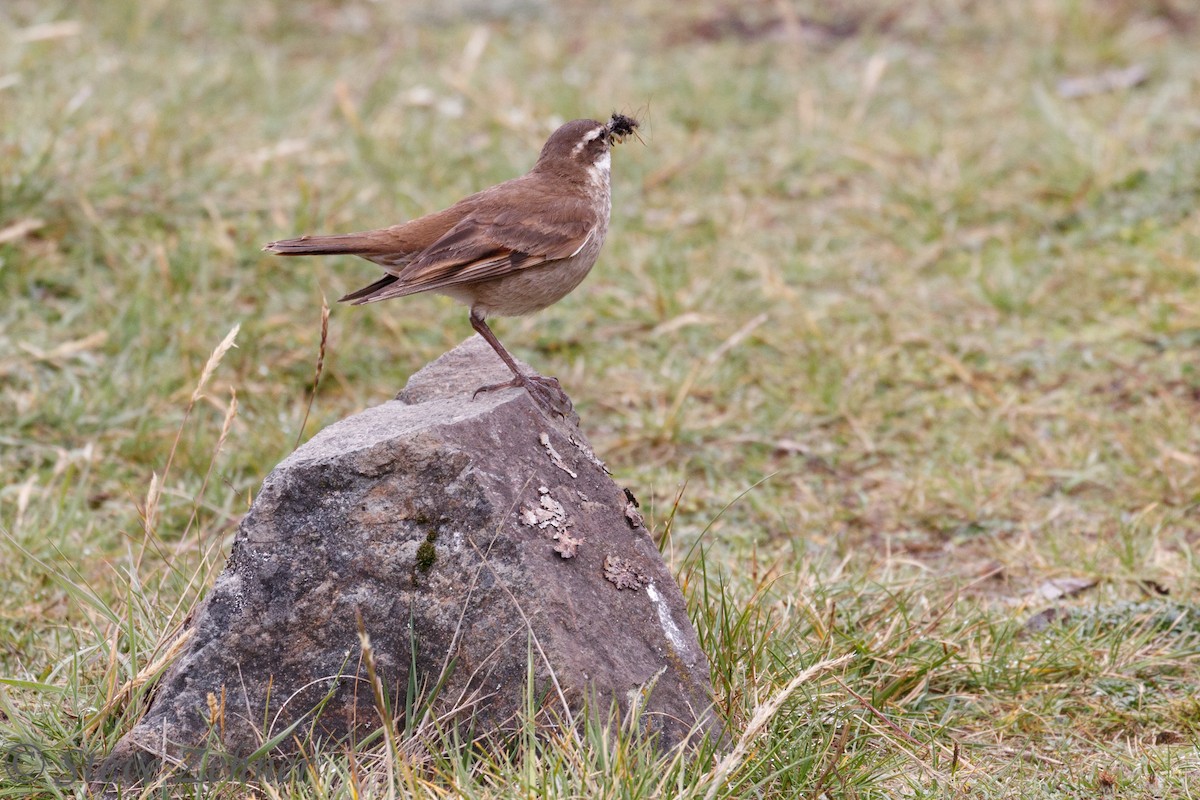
pixel 345 243
pixel 364 295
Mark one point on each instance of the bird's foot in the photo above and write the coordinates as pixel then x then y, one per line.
pixel 546 392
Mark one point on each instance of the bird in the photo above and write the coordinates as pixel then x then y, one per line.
pixel 509 250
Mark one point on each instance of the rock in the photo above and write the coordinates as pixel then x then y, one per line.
pixel 464 539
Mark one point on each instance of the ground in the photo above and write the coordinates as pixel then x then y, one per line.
pixel 895 335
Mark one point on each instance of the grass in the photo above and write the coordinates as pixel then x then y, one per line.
pixel 886 325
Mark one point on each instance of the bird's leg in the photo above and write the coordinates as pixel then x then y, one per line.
pixel 483 330
pixel 546 392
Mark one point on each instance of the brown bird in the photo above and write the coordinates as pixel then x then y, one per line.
pixel 506 251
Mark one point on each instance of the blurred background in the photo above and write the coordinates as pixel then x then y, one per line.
pixel 894 292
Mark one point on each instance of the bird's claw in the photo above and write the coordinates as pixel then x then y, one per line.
pixel 545 392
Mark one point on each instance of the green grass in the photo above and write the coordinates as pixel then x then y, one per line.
pixel 930 330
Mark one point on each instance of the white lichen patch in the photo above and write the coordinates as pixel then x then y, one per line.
pixel 548 513
pixel 549 516
pixel 623 574
pixel 672 631
pixel 583 447
pixel 555 456
pixel 566 545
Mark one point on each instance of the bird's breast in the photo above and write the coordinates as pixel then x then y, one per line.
pixel 532 289
pixel 600 171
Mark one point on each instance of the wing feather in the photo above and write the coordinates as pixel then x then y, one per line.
pixel 485 246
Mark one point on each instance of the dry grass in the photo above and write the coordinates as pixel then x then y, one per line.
pixel 870 262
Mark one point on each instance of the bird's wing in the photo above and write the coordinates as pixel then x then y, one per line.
pixel 484 246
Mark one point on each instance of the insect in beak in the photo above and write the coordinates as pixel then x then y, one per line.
pixel 620 127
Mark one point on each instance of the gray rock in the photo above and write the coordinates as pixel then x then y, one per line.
pixel 467 539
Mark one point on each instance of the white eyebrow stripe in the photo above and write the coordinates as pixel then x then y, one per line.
pixel 587 137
